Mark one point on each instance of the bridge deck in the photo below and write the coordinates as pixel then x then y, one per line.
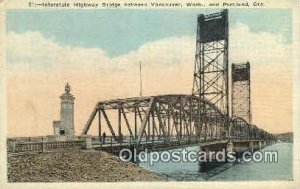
pixel 151 145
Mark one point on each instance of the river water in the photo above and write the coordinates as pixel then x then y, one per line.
pixel 252 171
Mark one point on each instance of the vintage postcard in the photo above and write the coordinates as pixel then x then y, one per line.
pixel 183 94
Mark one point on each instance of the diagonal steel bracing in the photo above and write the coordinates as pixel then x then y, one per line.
pixel 202 116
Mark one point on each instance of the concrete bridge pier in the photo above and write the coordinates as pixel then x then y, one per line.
pixel 251 146
pixel 272 142
pixel 238 147
pixel 242 146
pixel 212 151
pixel 256 145
pixel 88 142
pixel 229 147
pixel 260 145
pixel 200 167
pixel 203 166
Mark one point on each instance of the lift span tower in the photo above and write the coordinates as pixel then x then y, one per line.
pixel 178 119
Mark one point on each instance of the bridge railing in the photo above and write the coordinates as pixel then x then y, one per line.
pixel 132 140
pixel 42 146
pixel 27 139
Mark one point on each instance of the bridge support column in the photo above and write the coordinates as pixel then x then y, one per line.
pixel 207 163
pixel 13 146
pixel 199 162
pixel 215 153
pixel 259 145
pixel 229 147
pixel 88 142
pixel 251 146
pixel 44 147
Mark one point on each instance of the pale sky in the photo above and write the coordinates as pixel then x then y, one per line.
pixel 98 53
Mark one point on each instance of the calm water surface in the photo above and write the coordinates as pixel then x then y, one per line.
pixel 182 171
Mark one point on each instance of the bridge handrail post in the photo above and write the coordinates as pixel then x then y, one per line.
pixel 129 140
pixel 111 144
pixel 42 145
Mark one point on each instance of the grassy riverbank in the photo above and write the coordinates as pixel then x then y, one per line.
pixel 75 165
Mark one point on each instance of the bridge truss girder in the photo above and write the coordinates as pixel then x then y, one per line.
pixel 168 117
pixel 162 117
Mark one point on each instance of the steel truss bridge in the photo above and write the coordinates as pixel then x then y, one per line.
pixel 166 119
pixel 202 117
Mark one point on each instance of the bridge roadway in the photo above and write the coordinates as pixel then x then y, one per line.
pixel 238 145
pixel 167 117
pixel 171 121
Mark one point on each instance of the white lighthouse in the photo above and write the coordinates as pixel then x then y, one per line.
pixel 65 126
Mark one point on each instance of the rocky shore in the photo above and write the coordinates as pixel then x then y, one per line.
pixel 75 165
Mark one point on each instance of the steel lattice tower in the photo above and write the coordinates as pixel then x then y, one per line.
pixel 211 60
pixel 241 98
